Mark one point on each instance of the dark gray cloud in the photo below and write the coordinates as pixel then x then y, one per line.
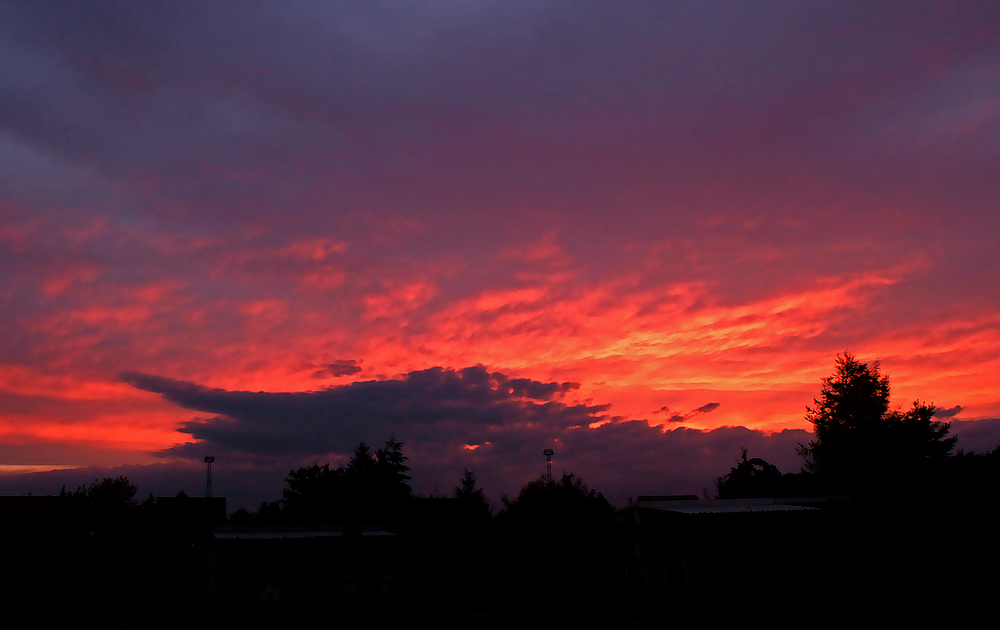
pixel 948 413
pixel 340 367
pixel 448 408
pixel 681 417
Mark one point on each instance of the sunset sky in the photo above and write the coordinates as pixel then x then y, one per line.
pixel 637 233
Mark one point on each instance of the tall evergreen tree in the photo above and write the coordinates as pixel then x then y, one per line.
pixel 474 504
pixel 392 469
pixel 860 441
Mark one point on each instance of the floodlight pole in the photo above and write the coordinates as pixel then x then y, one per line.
pixel 208 480
pixel 548 453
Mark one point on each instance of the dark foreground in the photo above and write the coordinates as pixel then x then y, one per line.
pixel 895 563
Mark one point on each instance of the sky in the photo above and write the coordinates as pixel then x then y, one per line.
pixel 636 233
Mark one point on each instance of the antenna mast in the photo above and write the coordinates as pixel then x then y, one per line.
pixel 548 453
pixel 208 480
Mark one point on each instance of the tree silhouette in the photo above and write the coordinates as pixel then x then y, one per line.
pixel 564 505
pixel 391 469
pixel 860 441
pixel 362 462
pixel 313 493
pixel 750 478
pixel 368 488
pixel 107 503
pixel 557 541
pixel 916 435
pixel 110 494
pixel 473 503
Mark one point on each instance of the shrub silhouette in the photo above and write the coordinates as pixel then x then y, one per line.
pixel 750 478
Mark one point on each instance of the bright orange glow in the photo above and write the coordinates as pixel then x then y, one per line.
pixel 635 347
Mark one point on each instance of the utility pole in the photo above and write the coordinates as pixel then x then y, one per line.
pixel 208 481
pixel 548 453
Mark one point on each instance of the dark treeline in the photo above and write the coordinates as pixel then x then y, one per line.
pixel 372 488
pixel 904 536
pixel 552 553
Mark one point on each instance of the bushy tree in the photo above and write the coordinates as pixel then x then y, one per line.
pixel 557 539
pixel 368 488
pixel 313 492
pixel 111 493
pixel 750 478
pixel 916 435
pixel 107 504
pixel 567 504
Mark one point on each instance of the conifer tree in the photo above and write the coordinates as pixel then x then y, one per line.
pixel 860 441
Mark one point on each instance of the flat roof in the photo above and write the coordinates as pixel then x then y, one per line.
pixel 273 532
pixel 729 506
pixel 726 509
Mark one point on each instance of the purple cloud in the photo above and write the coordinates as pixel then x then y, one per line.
pixel 444 407
pixel 681 417
pixel 948 413
pixel 340 367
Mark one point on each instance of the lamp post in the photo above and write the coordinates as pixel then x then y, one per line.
pixel 208 480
